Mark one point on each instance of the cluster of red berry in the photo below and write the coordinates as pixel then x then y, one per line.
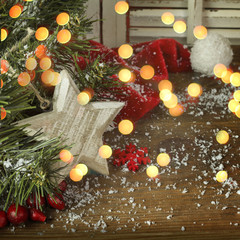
pixel 132 156
pixel 21 214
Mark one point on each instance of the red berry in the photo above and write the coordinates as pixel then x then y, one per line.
pixel 59 204
pixel 32 201
pixel 3 219
pixel 37 215
pixel 62 186
pixel 18 217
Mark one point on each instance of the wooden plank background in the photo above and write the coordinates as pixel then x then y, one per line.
pixel 134 207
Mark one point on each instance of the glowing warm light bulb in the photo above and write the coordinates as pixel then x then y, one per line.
pixel 226 78
pixel 222 137
pixel 167 18
pixel 27 0
pixel 237 111
pixel 4 34
pixel 105 151
pixel 64 36
pixel 41 51
pixel 163 159
pixel 57 79
pixel 152 171
pixel 125 51
pixel 220 70
pixel 47 77
pixel 45 63
pixel 83 168
pixel 24 79
pixel 194 89
pixel 235 79
pixel 3 113
pixel 42 34
pixel 125 127
pixel 176 111
pixel 179 26
pixel 62 18
pixel 172 102
pixel 124 75
pixel 200 32
pixel 76 174
pixel 90 92
pixel 121 7
pixel 165 95
pixel 31 64
pixel 147 72
pixel 4 66
pixel 165 84
pixel 1 83
pixel 15 11
pixel 221 176
pixel 66 156
pixel 83 98
pixel 232 105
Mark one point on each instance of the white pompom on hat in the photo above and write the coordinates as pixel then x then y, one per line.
pixel 206 53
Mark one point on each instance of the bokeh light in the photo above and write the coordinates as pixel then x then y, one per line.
pixel 121 7
pixel 220 70
pixel 163 159
pixel 66 156
pixel 57 79
pixel 221 176
pixel 125 75
pixel 125 127
pixel 237 111
pixel 152 171
pixel 125 51
pixel 179 26
pixel 165 84
pixel 232 105
pixel 194 89
pixel 4 66
pixel 172 102
pixel 42 34
pixel 15 11
pixel 226 78
pixel 165 95
pixel 62 18
pixel 3 113
pixel 222 137
pixel 236 95
pixel 1 83
pixel 200 32
pixel 4 34
pixel 90 92
pixel 47 77
pixel 41 51
pixel 32 74
pixel 105 151
pixel 83 98
pixel 235 79
pixel 31 64
pixel 24 79
pixel 45 63
pixel 167 18
pixel 76 175
pixel 64 36
pixel 83 168
pixel 176 111
pixel 147 72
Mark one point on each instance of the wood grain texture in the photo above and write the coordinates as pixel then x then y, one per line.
pixel 111 198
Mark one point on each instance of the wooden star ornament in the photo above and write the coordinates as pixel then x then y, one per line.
pixel 82 126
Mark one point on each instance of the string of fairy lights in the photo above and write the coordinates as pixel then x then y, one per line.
pixel 170 100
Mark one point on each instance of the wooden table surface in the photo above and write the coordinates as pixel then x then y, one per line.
pixel 184 203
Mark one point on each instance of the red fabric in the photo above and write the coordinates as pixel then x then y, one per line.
pixel 163 55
